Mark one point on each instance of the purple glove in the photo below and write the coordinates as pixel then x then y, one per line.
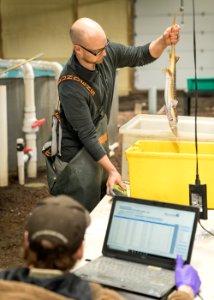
pixel 186 275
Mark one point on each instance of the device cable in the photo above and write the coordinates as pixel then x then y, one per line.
pixel 197 191
pixel 205 228
pixel 197 179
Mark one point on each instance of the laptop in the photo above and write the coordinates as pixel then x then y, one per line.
pixel 142 241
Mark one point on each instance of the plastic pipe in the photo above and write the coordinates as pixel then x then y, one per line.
pixel 20 160
pixel 29 119
pixel 4 137
pixel 29 111
pixel 152 95
pixel 23 156
pixel 48 66
pixel 112 147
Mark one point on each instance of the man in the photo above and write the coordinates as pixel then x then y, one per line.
pixel 86 86
pixel 53 243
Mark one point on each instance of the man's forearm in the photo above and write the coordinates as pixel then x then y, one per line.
pixel 107 164
pixel 157 47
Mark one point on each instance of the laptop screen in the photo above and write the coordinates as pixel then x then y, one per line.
pixel 150 230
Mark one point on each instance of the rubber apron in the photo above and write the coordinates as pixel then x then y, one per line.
pixel 83 178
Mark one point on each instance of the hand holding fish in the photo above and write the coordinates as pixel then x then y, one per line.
pixel 168 38
pixel 171 35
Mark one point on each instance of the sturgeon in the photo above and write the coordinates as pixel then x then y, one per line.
pixel 170 90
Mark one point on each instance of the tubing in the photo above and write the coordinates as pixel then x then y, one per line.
pixel 29 111
pixel 29 107
pixel 48 66
pixel 4 137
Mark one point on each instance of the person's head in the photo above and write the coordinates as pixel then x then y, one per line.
pixel 55 232
pixel 89 41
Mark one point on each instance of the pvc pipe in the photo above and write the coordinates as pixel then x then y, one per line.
pixel 20 160
pixel 48 66
pixel 152 95
pixel 4 137
pixel 29 112
pixel 29 109
pixel 29 119
pixel 30 137
pixel 112 147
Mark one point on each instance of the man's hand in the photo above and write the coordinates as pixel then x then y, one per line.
pixel 186 275
pixel 114 176
pixel 171 35
pixel 114 179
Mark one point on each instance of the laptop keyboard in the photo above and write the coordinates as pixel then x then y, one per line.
pixel 129 276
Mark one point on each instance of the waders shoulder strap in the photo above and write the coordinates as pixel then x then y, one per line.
pixel 87 87
pixel 53 147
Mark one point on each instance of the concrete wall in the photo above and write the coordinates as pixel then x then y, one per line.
pixel 30 27
pixel 152 19
pixel 114 17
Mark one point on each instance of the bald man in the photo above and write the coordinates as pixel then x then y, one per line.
pixel 86 85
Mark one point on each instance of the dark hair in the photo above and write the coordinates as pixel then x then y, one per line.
pixel 55 257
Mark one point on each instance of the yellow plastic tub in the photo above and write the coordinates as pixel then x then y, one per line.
pixel 156 127
pixel 163 170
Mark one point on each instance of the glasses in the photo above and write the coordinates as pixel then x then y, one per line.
pixel 96 52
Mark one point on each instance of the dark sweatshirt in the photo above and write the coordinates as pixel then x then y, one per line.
pixel 79 108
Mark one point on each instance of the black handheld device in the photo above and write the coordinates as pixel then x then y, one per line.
pixel 198 198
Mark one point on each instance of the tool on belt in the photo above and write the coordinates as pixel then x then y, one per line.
pixel 53 146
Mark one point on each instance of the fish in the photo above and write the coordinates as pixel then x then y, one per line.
pixel 171 101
